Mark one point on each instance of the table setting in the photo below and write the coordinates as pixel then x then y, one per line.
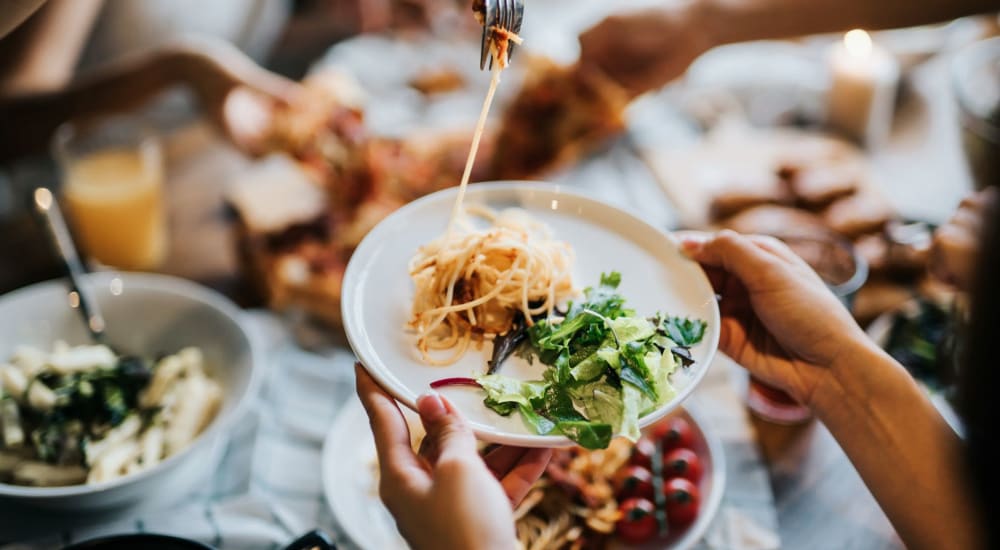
pixel 187 379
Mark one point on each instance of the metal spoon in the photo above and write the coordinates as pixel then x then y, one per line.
pixel 80 297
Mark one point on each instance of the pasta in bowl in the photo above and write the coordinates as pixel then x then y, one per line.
pixel 82 414
pixel 87 427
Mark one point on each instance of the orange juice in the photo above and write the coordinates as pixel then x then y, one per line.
pixel 116 202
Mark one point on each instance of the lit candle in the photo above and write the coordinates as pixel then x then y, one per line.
pixel 862 96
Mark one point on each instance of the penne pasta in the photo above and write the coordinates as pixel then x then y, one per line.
pixel 7 463
pixel 152 446
pixel 10 424
pixel 82 359
pixel 128 429
pixel 29 360
pixel 83 415
pixel 113 462
pixel 40 474
pixel 166 372
pixel 41 397
pixel 13 381
pixel 192 412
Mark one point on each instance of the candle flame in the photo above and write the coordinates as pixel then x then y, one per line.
pixel 858 43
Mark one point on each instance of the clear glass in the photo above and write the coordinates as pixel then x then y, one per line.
pixel 112 172
pixel 844 271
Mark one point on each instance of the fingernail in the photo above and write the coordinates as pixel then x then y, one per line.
pixel 691 246
pixel 431 407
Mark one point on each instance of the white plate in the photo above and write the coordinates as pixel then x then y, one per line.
pixel 377 295
pixel 350 482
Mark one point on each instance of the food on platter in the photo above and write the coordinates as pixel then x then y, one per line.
pixel 296 260
pixel 604 367
pixel 819 184
pixel 561 114
pixel 84 414
pixel 771 219
pixel 438 82
pixel 631 493
pixel 859 214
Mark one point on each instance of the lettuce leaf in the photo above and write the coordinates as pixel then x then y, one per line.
pixel 589 435
pixel 631 407
pixel 601 402
pixel 632 329
pixel 502 389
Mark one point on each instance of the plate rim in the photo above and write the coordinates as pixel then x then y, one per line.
pixel 372 241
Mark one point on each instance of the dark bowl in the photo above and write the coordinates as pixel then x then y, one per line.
pixel 313 540
pixel 146 542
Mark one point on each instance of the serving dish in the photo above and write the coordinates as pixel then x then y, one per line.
pixel 377 295
pixel 145 314
pixel 351 485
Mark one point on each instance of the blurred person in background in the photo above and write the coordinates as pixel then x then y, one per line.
pixel 643 50
pixel 78 58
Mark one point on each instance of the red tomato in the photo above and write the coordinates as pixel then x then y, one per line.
pixel 682 463
pixel 642 453
pixel 683 500
pixel 638 521
pixel 674 433
pixel 633 481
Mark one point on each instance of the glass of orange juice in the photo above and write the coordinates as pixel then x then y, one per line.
pixel 112 172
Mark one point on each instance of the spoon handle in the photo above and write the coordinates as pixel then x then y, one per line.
pixel 80 297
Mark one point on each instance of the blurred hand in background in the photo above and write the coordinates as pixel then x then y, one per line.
pixel 644 50
pixel 956 243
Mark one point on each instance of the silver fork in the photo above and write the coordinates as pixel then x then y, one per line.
pixel 503 14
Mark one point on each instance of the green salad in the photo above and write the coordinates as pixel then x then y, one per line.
pixel 606 367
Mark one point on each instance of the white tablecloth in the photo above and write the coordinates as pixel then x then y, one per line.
pixel 263 488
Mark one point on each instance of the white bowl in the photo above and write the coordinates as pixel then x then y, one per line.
pixel 147 315
pixel 378 293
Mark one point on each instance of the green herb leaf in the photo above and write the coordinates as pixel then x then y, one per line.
pixel 589 435
pixel 541 425
pixel 630 376
pixel 557 404
pixel 685 332
pixel 503 408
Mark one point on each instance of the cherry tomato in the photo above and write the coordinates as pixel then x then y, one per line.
pixel 683 500
pixel 642 453
pixel 633 481
pixel 674 433
pixel 638 521
pixel 682 463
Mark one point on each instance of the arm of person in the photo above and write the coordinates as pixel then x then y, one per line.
pixel 905 452
pixel 781 322
pixel 211 69
pixel 644 50
pixel 14 12
pixel 732 21
pixel 43 53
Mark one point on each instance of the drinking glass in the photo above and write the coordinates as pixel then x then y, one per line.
pixel 112 171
